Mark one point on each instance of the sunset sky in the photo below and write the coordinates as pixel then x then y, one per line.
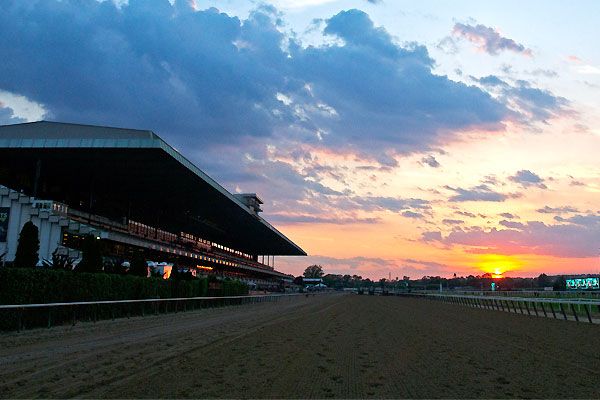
pixel 402 137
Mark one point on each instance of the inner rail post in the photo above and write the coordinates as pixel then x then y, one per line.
pixel 574 312
pixel 588 313
pixel 563 311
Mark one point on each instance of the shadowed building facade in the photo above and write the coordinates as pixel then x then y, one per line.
pixel 133 191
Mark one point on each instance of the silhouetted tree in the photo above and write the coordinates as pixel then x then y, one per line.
pixel 175 274
pixel 313 271
pixel 560 284
pixel 28 247
pixel 91 260
pixel 138 265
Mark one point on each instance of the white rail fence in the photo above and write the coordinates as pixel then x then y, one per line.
pixel 580 309
pixel 23 316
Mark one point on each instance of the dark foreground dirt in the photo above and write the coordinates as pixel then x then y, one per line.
pixel 342 346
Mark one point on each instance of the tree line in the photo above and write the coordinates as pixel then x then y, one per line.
pixel 470 282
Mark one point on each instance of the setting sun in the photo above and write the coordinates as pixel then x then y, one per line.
pixel 498 264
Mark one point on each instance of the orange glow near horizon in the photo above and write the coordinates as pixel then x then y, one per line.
pixel 498 264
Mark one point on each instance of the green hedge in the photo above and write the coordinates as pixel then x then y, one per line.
pixel 30 286
pixel 234 288
pixel 26 286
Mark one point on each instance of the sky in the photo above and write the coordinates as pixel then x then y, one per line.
pixel 387 138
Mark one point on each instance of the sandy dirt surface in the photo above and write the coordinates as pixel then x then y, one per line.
pixel 341 346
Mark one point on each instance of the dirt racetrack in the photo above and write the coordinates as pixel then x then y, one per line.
pixel 340 346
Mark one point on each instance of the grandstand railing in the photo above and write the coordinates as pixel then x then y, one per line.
pixel 151 233
pixel 534 306
pixel 24 316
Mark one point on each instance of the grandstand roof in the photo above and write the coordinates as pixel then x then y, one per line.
pixel 131 173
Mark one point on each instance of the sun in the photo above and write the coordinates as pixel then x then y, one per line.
pixel 497 264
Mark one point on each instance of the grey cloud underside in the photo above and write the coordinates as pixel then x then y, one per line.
pixel 574 237
pixel 527 178
pixel 205 77
pixel 529 103
pixel 557 210
pixel 479 193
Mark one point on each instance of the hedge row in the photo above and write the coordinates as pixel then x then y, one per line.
pixel 26 286
pixel 234 288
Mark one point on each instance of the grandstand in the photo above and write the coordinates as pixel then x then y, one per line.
pixel 131 190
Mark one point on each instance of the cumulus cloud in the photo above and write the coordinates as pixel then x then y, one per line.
pixel 488 39
pixel 526 179
pixel 7 116
pixel 508 215
pixel 575 237
pixel 205 77
pixel 431 161
pixel 412 214
pixel 448 221
pixel 557 210
pixel 479 193
pixel 529 103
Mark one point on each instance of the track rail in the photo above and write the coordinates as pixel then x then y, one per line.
pixel 22 316
pixel 540 307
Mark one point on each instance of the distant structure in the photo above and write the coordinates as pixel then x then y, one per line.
pixel 134 192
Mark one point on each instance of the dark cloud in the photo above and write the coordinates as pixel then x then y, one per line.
pixel 527 178
pixel 574 237
pixel 412 214
pixel 448 221
pixel 528 103
pixel 431 161
pixel 431 236
pixel 508 215
pixel 479 193
pixel 313 219
pixel 205 77
pixel 557 210
pixel 488 39
pixel 512 224
pixel 466 214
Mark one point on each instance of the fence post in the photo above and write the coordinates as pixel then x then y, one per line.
pixel 588 313
pixel 527 307
pixel 574 312
pixel 49 317
pixel 20 319
pixel 544 310
pixel 563 311
pixel 552 308
pixel 535 309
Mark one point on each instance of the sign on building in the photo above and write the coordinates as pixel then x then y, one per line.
pixel 4 212
pixel 583 283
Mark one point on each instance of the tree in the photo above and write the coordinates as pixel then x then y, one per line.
pixel 313 271
pixel 91 260
pixel 175 275
pixel 543 280
pixel 298 280
pixel 28 247
pixel 138 265
pixel 560 284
